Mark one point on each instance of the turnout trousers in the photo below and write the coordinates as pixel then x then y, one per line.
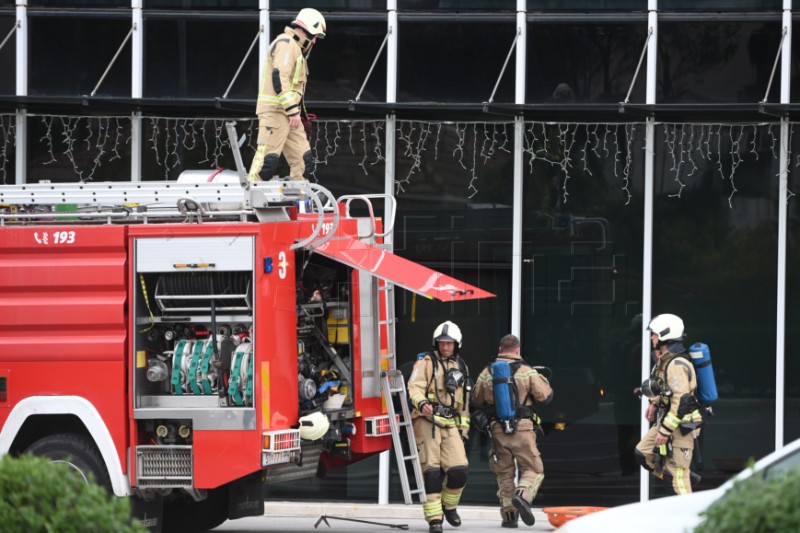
pixel 444 465
pixel 516 451
pixel 677 466
pixel 276 137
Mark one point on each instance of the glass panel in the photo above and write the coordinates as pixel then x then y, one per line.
pixel 719 5
pixel 454 187
pixel 717 62
pixel 350 154
pixel 581 303
pixel 330 5
pixel 356 482
pixel 794 76
pixel 595 62
pixel 791 417
pixel 8 135
pixel 198 5
pixel 714 253
pixel 197 58
pixel 79 3
pixel 72 148
pixel 588 5
pixel 459 5
pixel 79 50
pixel 454 62
pixel 173 145
pixel 8 56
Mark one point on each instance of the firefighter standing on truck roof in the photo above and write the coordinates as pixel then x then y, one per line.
pixel 666 450
pixel 514 442
pixel 283 124
pixel 438 388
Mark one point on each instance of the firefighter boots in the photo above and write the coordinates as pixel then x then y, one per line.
pixel 435 526
pixel 524 509
pixel 452 517
pixel 510 518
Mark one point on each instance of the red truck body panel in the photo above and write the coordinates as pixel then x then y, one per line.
pixel 63 318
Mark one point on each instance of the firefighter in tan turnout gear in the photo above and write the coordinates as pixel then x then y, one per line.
pixel 514 441
pixel 283 124
pixel 438 390
pixel 666 450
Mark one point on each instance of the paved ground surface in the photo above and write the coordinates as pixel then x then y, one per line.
pixel 298 517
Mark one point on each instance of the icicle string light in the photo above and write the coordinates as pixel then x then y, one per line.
pixel 78 147
pixel 8 135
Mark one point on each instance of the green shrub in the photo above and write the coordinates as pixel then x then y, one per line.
pixel 37 495
pixel 757 505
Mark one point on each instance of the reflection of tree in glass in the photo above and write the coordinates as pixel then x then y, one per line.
pixel 690 52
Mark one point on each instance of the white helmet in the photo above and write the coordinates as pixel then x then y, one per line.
pixel 314 426
pixel 667 327
pixel 311 21
pixel 447 332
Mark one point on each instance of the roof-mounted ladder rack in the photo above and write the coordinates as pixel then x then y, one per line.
pixel 143 201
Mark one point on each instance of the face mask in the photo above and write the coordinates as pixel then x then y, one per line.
pixel 453 379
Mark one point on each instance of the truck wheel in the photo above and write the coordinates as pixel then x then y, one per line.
pixel 187 516
pixel 79 453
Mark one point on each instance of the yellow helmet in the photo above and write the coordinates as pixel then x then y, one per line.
pixel 311 21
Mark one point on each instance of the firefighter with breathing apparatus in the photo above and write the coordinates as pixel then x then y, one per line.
pixel 283 124
pixel 674 411
pixel 504 397
pixel 439 390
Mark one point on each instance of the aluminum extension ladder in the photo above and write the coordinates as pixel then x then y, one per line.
pixel 393 386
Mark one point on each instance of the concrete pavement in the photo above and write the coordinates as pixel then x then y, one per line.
pixel 301 517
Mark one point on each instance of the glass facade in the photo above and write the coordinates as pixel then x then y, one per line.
pixel 582 286
pixel 565 257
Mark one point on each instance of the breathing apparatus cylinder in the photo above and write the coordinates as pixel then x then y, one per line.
pixel 504 404
pixel 706 384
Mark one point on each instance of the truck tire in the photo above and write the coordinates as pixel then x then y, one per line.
pixel 76 451
pixel 184 515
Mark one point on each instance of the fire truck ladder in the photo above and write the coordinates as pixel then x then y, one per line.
pixel 392 382
pixel 159 201
pixel 394 386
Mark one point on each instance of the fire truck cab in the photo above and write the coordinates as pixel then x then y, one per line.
pixel 188 343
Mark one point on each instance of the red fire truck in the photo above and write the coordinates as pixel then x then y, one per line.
pixel 177 341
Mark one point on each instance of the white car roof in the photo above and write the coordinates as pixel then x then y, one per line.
pixel 642 516
pixel 684 513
